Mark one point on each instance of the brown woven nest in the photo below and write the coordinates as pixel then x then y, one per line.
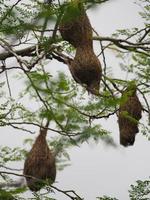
pixel 129 115
pixel 40 164
pixel 75 26
pixel 86 69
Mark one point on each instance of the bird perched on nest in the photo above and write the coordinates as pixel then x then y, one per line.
pixel 129 115
pixel 40 163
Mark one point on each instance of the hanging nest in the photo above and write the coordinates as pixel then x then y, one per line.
pixel 86 69
pixel 75 26
pixel 40 164
pixel 129 115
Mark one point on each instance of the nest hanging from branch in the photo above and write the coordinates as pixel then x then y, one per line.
pixel 75 27
pixel 129 115
pixel 86 69
pixel 40 163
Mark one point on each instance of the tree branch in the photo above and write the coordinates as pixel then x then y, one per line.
pixel 127 45
pixel 13 169
pixel 19 183
pixel 23 52
pixel 65 192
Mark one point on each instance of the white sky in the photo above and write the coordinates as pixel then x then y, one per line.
pixel 98 170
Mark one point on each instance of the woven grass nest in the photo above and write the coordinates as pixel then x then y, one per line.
pixel 129 115
pixel 40 164
pixel 86 69
pixel 75 28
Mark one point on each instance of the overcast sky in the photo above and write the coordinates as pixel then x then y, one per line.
pixel 98 170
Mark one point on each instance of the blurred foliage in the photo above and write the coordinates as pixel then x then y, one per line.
pixel 8 154
pixel 106 198
pixel 140 191
pixel 6 195
pixel 12 194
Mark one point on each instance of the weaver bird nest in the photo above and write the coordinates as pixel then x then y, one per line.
pixel 75 28
pixel 129 115
pixel 40 164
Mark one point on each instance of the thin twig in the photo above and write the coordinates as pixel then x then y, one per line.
pixel 147 104
pixel 8 12
pixel 130 46
pixel 7 80
pixel 13 169
pixel 66 192
pixel 19 128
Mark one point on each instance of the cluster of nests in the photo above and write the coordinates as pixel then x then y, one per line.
pixel 86 69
